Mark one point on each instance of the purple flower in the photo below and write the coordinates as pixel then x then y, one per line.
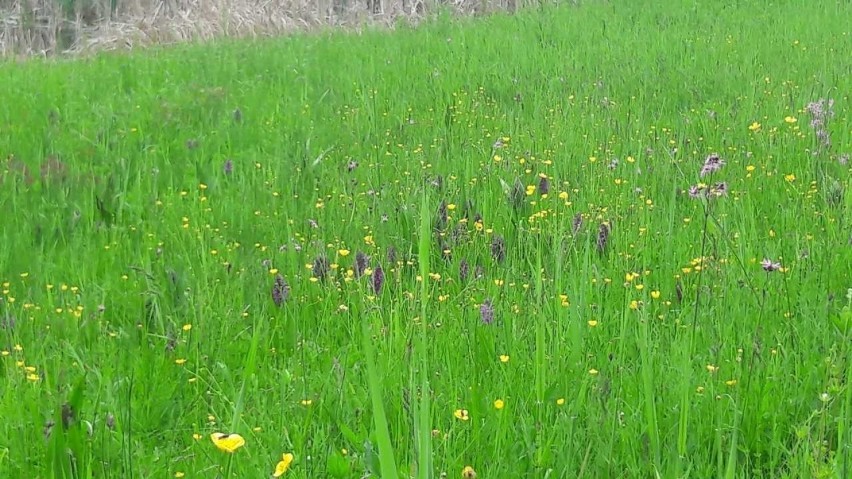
pixel 712 164
pixel 280 290
pixel 543 185
pixel 361 262
pixel 464 270
pixel 577 223
pixel 320 267
pixel 695 191
pixel 613 164
pixel 486 312
pixel 769 265
pixel 378 279
pixel 228 167
pixel 498 248
pixel 719 189
pixel 603 237
pixel 442 215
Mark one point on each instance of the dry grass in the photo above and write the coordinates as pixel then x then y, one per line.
pixel 74 27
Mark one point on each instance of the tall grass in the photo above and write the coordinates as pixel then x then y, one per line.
pixel 634 319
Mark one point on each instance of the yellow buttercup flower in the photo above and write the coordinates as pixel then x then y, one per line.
pixel 283 465
pixel 468 473
pixel 227 442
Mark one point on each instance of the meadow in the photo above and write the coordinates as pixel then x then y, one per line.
pixel 599 240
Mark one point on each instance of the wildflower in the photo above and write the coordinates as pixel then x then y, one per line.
pixel 280 290
pixel 461 414
pixel 498 248
pixel 504 358
pixel 712 164
pixel 283 465
pixel 603 237
pixel 443 214
pixel 227 442
pixel 516 194
pixel 577 222
pixel 464 270
pixel 499 404
pixel 378 280
pixel 755 127
pixel 361 262
pixel 486 312
pixel 543 185
pixel 468 473
pixel 228 167
pixel 769 265
pixel 320 267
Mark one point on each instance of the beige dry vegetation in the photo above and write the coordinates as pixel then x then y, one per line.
pixel 74 27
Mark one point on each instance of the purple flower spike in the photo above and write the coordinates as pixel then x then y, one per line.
pixel 486 312
pixel 280 290
pixel 378 280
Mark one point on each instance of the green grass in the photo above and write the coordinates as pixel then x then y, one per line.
pixel 136 282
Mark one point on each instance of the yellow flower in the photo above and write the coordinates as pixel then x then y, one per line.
pixel 655 294
pixel 343 252
pixel 468 473
pixel 504 358
pixel 560 401
pixel 227 442
pixel 461 414
pixel 754 127
pixel 283 465
pixel 499 404
pixel 790 119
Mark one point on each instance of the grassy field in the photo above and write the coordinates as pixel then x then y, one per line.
pixel 610 240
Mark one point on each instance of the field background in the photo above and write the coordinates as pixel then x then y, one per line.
pixel 547 288
pixel 52 27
